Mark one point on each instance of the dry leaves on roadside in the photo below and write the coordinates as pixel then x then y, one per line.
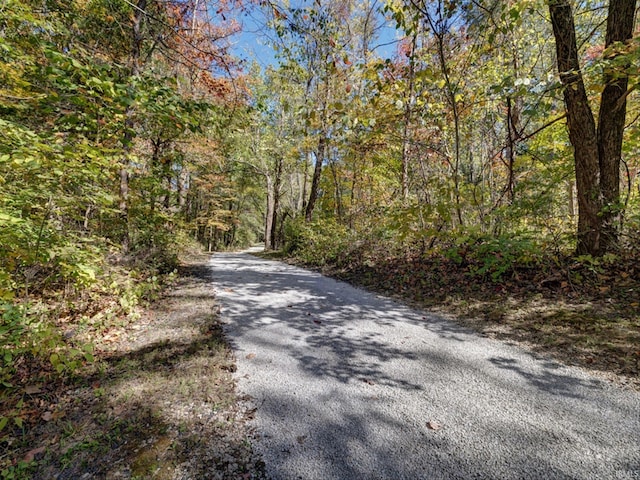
pixel 433 425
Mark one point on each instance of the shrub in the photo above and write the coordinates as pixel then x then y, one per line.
pixel 494 256
pixel 317 243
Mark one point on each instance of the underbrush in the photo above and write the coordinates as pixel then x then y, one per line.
pixel 52 327
pixel 317 243
pixel 158 401
pixel 500 260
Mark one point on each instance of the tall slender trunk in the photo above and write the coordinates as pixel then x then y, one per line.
pixel 337 191
pixel 124 204
pixel 440 29
pixel 136 50
pixel 275 240
pixel 317 172
pixel 582 128
pixel 183 188
pixel 167 196
pixel 408 108
pixel 322 144
pixel 302 202
pixel 511 154
pixel 611 120
pixel 268 220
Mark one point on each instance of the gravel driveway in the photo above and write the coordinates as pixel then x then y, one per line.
pixel 351 385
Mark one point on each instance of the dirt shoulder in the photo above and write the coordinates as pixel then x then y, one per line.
pixel 158 403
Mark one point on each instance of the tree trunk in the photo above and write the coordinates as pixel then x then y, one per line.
pixel 322 142
pixel 337 192
pixel 302 202
pixel 136 50
pixel 268 221
pixel 183 188
pixel 511 154
pixel 440 29
pixel 167 196
pixel 276 205
pixel 124 204
pixel 611 120
pixel 582 128
pixel 315 183
pixel 406 124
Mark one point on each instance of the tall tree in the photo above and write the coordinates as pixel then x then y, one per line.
pixel 597 149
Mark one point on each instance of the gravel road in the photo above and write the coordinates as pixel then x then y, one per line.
pixel 352 385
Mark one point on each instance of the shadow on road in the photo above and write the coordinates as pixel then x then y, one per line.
pixel 347 383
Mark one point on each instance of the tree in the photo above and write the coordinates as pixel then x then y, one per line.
pixel 597 148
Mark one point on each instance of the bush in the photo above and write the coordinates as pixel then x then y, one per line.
pixel 317 243
pixel 494 256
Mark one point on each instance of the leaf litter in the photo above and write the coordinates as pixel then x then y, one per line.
pixel 159 402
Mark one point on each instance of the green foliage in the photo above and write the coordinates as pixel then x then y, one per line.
pixel 494 257
pixel 29 331
pixel 20 471
pixel 317 243
pixel 74 117
pixel 597 265
pixel 13 341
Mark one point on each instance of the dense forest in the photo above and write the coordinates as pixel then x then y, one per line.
pixel 500 137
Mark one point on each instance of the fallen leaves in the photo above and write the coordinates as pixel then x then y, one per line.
pixel 33 389
pixel 433 425
pixel 31 454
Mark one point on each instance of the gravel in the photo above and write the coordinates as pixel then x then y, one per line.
pixel 351 385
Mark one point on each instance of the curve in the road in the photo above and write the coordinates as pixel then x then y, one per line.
pixel 350 385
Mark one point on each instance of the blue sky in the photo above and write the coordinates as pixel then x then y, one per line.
pixel 254 42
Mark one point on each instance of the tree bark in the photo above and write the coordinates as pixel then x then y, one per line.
pixel 275 240
pixel 315 182
pixel 440 29
pixel 611 120
pixel 409 101
pixel 136 51
pixel 322 141
pixel 268 221
pixel 183 188
pixel 582 128
pixel 511 154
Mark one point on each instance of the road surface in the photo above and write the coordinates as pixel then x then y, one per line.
pixel 351 385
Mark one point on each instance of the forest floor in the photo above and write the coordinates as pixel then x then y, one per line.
pixel 583 315
pixel 158 402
